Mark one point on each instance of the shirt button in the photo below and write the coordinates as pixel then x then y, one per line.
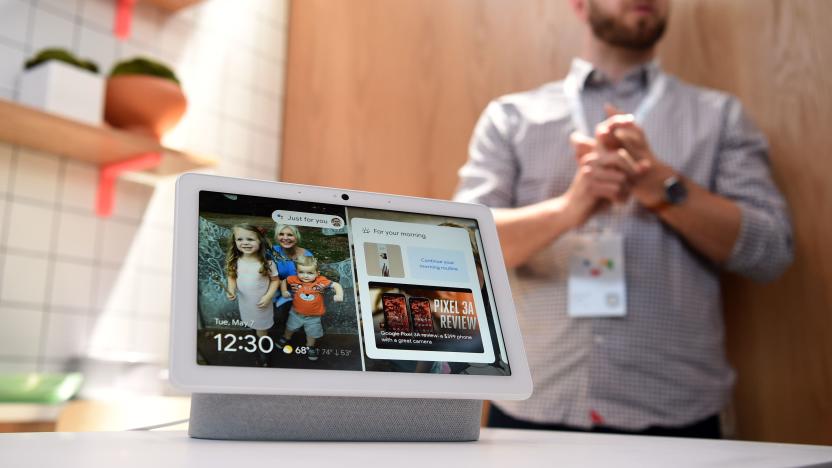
pixel 599 339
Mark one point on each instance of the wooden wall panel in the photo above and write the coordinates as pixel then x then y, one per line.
pixel 382 95
pixel 775 56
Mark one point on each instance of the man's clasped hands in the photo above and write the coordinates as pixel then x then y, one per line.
pixel 616 164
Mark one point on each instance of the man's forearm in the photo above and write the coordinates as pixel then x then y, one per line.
pixel 525 231
pixel 708 222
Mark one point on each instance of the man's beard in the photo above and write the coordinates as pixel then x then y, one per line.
pixel 610 30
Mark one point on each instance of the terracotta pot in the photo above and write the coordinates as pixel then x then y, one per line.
pixel 143 104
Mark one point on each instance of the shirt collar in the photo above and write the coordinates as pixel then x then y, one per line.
pixel 585 73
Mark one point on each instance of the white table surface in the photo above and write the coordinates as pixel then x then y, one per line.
pixel 502 448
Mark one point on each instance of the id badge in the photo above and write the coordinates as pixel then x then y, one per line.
pixel 597 286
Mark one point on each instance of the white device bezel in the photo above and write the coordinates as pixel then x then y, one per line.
pixel 186 374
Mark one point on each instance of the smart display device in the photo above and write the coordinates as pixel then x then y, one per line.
pixel 303 312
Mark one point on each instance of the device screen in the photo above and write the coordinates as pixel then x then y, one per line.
pixel 294 284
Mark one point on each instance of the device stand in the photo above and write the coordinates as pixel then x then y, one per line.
pixel 286 417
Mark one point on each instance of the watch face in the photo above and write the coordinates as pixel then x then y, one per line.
pixel 675 190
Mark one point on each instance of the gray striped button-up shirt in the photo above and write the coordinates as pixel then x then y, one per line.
pixel 664 363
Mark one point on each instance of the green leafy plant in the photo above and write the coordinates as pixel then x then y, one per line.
pixel 60 55
pixel 144 66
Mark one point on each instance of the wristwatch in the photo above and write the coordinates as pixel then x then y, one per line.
pixel 675 193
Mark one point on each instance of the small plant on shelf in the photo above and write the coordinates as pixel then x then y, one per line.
pixel 144 66
pixel 58 82
pixel 144 96
pixel 60 55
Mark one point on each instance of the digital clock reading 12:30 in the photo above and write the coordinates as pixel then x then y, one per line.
pixel 247 343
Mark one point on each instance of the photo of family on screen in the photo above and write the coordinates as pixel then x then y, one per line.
pixel 272 293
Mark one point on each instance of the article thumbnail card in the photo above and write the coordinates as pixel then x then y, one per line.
pixel 425 318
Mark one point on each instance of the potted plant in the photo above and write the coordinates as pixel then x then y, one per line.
pixel 58 82
pixel 144 96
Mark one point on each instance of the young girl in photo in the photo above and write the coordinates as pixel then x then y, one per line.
pixel 252 277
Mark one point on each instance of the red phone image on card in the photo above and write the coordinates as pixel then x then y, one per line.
pixel 421 314
pixel 396 317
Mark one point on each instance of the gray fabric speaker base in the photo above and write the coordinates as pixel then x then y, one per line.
pixel 286 417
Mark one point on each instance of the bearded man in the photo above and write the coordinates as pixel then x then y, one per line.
pixel 620 194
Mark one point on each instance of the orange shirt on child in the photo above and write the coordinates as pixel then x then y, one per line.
pixel 308 298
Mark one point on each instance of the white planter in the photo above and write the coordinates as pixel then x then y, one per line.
pixel 62 89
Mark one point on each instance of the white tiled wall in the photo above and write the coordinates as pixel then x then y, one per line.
pixel 73 287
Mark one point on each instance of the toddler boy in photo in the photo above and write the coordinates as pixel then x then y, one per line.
pixel 307 287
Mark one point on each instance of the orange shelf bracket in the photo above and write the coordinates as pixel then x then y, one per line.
pixel 109 173
pixel 124 16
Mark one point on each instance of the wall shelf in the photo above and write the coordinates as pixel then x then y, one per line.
pixel 115 151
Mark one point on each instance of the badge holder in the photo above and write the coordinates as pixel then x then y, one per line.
pixel 285 417
pixel 597 287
